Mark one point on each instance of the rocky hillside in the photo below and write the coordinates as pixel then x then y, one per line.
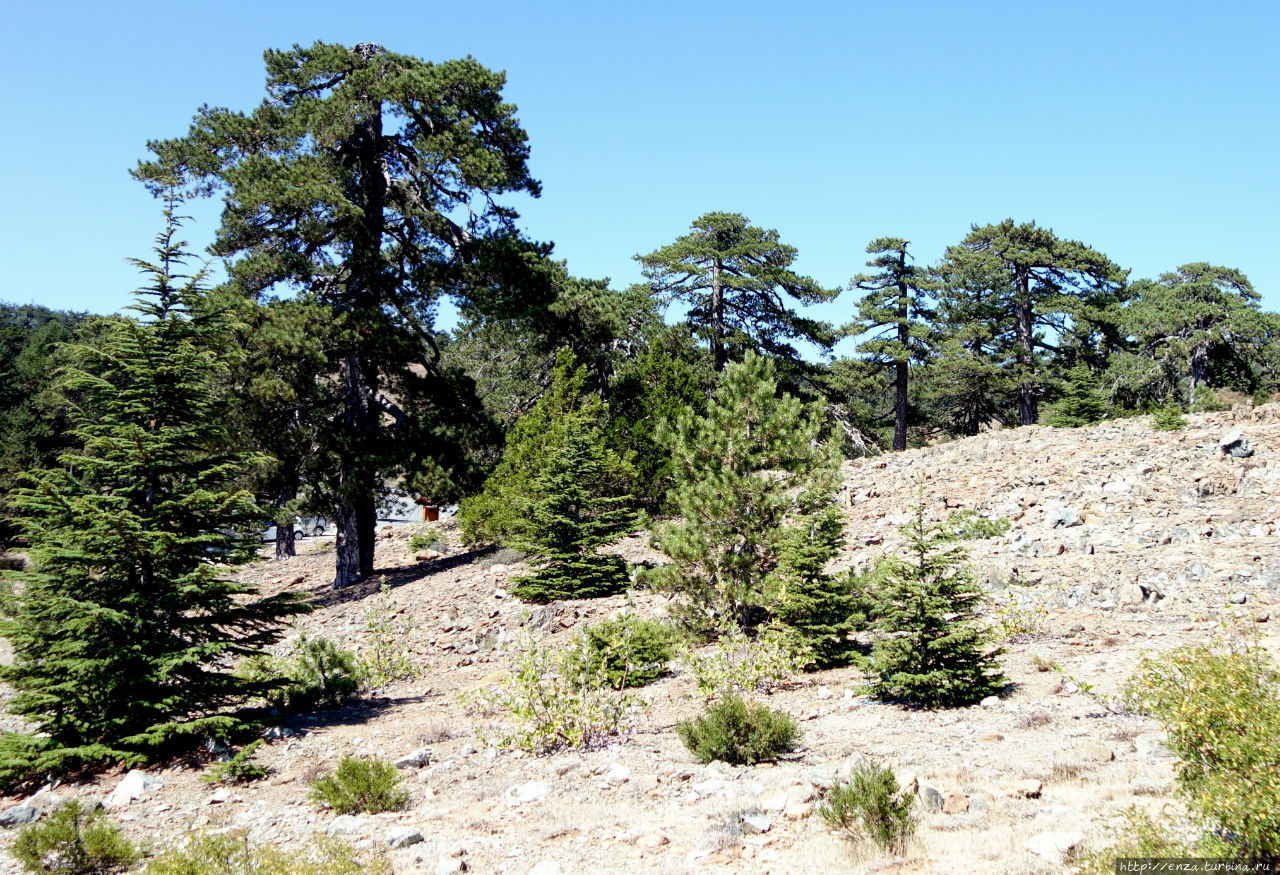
pixel 1122 541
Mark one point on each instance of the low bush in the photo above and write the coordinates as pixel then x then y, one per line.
pixel 628 651
pixel 1220 707
pixel 321 674
pixel 736 731
pixel 234 854
pixel 738 663
pixel 871 805
pixel 75 840
pixel 239 769
pixel 361 786
pixel 967 525
pixel 1168 418
pixel 386 657
pixel 557 701
pixel 428 540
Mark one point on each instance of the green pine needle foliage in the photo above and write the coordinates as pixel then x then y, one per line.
pixel 745 473
pixel 734 730
pixel 1082 401
pixel 820 606
pixel 361 786
pixel 870 804
pixel 626 650
pixel 936 653
pixel 125 631
pixel 74 840
pixel 1168 418
pixel 559 494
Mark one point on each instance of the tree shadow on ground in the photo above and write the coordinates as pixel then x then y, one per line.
pixel 325 596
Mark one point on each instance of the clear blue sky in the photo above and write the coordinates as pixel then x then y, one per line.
pixel 1148 131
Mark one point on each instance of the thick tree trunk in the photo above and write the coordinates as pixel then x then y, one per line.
pixel 718 353
pixel 904 338
pixel 285 545
pixel 358 474
pixel 1199 372
pixel 1028 401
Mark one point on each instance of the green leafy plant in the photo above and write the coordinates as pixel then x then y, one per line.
pixel 870 804
pixel 428 540
pixel 385 658
pixel 1168 418
pixel 1220 707
pixel 76 840
pixel 935 653
pixel 628 651
pixel 738 663
pixel 557 701
pixel 1139 837
pixel 234 854
pixel 967 525
pixel 360 785
pixel 1015 622
pixel 239 769
pixel 734 730
pixel 321 673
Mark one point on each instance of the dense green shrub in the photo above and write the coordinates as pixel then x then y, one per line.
pixel 428 540
pixel 321 673
pixel 967 525
pixel 75 840
pixel 361 785
pixel 234 854
pixel 239 769
pixel 1168 418
pixel 734 730
pixel 1221 710
pixel 739 663
pixel 870 804
pixel 628 651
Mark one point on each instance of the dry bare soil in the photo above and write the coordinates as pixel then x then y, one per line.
pixel 1124 541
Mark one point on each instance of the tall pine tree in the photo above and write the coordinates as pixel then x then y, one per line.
pixel 123 633
pixel 742 474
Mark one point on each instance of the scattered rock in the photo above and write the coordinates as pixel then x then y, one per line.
pixel 531 791
pixel 220 796
pixel 18 815
pixel 1028 789
pixel 137 784
pixel 991 702
pixel 546 867
pixel 346 824
pixel 402 837
pixel 415 760
pixel 956 803
pixel 1237 598
pixel 449 865
pixel 755 823
pixel 652 841
pixel 1093 752
pixel 618 775
pixel 1236 444
pixel 1052 846
pixel 931 798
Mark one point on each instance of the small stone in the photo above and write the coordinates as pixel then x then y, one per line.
pixel 1053 846
pixel 618 775
pixel 1263 617
pixel 532 791
pixel 931 798
pixel 990 737
pixel 755 823
pixel 1235 444
pixel 991 702
pixel 449 865
pixel 18 815
pixel 652 841
pixel 402 837
pixel 467 750
pixel 546 867
pixel 1237 598
pixel 137 784
pixel 824 692
pixel 345 825
pixel 415 760
pixel 1028 789
pixel 956 803
pixel 220 797
pixel 774 802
